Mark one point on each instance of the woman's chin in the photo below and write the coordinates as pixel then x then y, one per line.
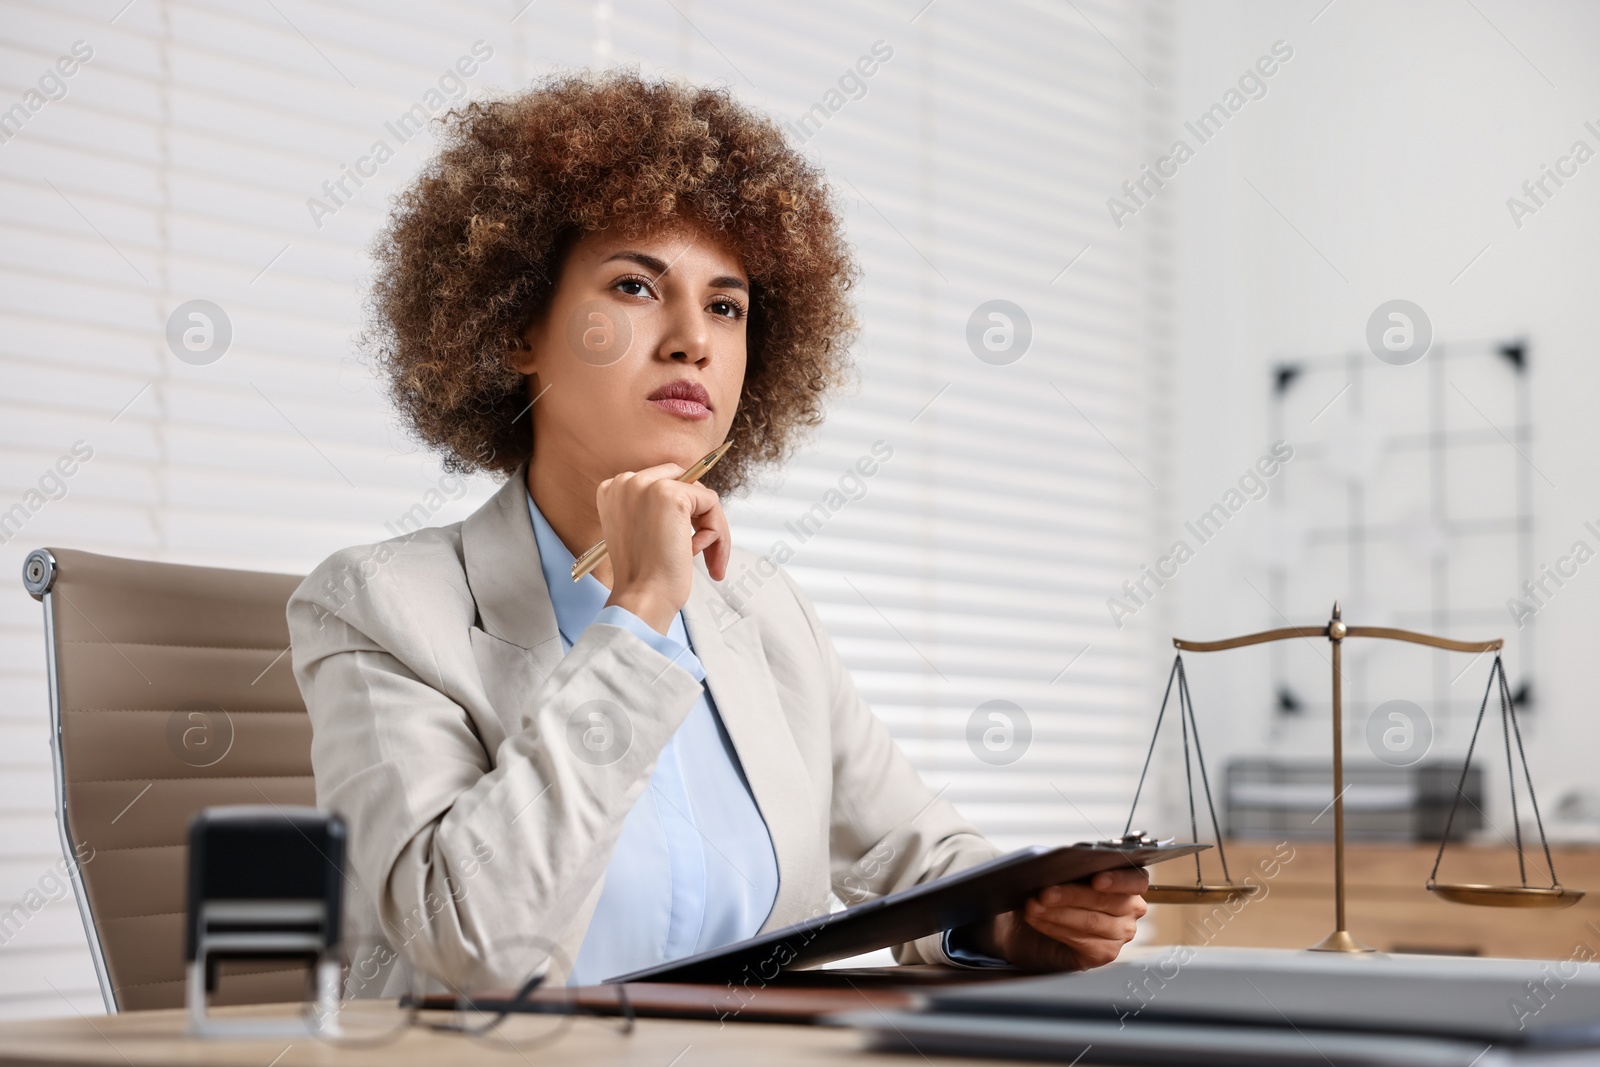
pixel 675 432
pixel 682 448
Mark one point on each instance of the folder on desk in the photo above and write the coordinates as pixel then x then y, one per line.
pixel 1552 1003
pixel 987 889
pixel 1159 1044
pixel 1213 1006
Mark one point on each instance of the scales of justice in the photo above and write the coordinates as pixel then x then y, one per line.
pixel 1336 632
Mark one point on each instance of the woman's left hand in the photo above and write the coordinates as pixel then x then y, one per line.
pixel 1074 926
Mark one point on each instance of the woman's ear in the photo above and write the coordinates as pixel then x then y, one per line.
pixel 519 354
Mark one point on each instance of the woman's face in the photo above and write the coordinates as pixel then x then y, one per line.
pixel 641 357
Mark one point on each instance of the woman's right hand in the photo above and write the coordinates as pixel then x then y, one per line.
pixel 654 526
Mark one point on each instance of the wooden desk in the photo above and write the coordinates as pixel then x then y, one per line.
pixel 1386 903
pixel 1388 908
pixel 146 1039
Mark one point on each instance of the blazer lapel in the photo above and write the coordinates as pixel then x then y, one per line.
pixel 728 645
pixel 501 558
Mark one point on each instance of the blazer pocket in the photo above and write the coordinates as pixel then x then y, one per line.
pixel 511 674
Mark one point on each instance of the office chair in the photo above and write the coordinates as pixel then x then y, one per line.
pixel 170 691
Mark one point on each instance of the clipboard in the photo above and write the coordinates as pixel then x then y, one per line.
pixel 968 895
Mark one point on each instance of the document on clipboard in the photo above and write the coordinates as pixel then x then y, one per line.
pixel 968 895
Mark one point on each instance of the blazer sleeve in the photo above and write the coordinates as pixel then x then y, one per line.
pixel 888 830
pixel 477 864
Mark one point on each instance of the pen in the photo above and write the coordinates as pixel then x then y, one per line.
pixel 697 470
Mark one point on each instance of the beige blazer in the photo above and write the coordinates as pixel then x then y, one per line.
pixel 440 704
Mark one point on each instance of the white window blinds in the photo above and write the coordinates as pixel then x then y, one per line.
pixel 186 156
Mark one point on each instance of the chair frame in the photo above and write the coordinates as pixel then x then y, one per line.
pixel 38 575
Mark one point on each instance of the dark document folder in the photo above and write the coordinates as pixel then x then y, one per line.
pixel 1000 885
pixel 1157 1044
pixel 1502 1001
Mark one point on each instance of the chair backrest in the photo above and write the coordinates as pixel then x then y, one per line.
pixel 170 691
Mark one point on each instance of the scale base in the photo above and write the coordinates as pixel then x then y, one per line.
pixel 1340 941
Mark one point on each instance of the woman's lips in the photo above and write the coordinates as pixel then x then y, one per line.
pixel 684 397
pixel 688 409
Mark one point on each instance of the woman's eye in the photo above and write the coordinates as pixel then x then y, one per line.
pixel 633 286
pixel 727 308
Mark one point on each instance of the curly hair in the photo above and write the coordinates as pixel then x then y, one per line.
pixel 474 249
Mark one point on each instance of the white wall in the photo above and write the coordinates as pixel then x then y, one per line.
pixel 179 166
pixel 1391 142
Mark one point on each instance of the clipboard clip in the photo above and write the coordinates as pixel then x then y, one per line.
pixel 1133 840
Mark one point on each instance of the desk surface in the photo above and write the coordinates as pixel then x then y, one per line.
pixel 148 1039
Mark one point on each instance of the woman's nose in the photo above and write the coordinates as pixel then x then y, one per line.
pixel 687 340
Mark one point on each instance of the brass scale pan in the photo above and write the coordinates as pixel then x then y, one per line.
pixel 1198 894
pixel 1505 896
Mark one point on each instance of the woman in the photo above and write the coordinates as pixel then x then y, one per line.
pixel 595 284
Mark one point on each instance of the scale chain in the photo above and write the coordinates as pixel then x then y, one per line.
pixel 1461 786
pixel 1205 779
pixel 1527 775
pixel 1188 775
pixel 1187 721
pixel 1511 771
pixel 1498 683
pixel 1176 664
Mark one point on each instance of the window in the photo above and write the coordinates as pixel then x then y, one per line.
pixel 203 150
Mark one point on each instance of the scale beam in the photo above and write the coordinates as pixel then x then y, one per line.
pixel 1249 639
pixel 1430 640
pixel 1385 632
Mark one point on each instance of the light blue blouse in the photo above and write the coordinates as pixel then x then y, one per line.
pixel 694 867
